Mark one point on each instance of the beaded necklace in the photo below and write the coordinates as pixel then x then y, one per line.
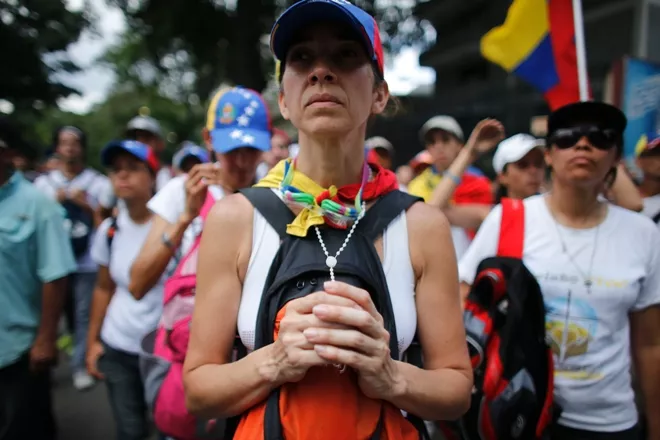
pixel 335 213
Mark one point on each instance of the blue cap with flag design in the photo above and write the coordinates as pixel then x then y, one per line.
pixel 137 149
pixel 238 117
pixel 308 12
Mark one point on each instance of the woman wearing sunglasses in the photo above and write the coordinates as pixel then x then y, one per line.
pixel 598 266
pixel 521 170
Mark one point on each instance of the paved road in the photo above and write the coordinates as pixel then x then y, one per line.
pixel 81 415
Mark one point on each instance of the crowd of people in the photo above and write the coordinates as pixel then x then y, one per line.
pixel 289 266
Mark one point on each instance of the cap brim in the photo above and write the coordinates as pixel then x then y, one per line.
pixel 226 139
pixel 198 156
pixel 437 126
pixel 113 148
pixel 605 115
pixel 110 151
pixel 304 13
pixel 519 154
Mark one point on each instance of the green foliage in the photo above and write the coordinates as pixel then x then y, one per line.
pixel 34 35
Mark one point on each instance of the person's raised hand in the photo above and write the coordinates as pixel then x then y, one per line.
pixel 199 178
pixel 487 134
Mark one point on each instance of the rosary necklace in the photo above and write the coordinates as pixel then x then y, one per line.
pixel 331 261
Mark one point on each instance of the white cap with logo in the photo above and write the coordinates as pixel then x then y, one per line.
pixel 513 149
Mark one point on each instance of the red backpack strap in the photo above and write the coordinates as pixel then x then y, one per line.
pixel 512 229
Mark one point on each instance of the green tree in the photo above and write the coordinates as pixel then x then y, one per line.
pixel 191 46
pixel 34 36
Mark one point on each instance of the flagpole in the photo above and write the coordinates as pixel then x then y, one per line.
pixel 580 50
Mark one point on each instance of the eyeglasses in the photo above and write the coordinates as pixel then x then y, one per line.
pixel 603 139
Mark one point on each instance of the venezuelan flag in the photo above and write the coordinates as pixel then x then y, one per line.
pixel 537 43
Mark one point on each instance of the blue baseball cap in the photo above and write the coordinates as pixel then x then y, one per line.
pixel 135 148
pixel 306 12
pixel 188 150
pixel 238 117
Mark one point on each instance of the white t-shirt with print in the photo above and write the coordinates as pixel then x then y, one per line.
pixel 92 182
pixel 127 320
pixel 590 332
pixel 652 207
pixel 170 204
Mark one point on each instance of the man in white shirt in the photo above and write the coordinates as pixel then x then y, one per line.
pixel 238 132
pixel 78 189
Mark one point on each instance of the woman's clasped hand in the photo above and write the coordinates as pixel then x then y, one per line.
pixel 339 325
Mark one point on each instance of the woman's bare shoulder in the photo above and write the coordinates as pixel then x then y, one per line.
pixel 429 236
pixel 230 222
pixel 231 212
pixel 423 219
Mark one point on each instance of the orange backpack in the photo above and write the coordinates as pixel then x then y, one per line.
pixel 326 403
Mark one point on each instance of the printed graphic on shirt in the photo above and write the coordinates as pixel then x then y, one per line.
pixel 571 325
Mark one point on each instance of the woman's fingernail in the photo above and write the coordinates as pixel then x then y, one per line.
pixel 329 285
pixel 311 333
pixel 320 309
pixel 321 348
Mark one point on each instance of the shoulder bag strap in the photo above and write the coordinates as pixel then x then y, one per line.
pixel 512 229
pixel 111 232
pixel 656 218
pixel 271 207
pixel 384 211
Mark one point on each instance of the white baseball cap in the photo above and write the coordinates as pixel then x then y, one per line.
pixel 513 149
pixel 145 123
pixel 379 142
pixel 444 123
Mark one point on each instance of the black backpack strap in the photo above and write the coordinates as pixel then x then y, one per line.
pixel 656 218
pixel 384 211
pixel 276 213
pixel 111 232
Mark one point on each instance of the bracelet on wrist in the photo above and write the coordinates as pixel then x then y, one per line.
pixel 166 240
pixel 454 178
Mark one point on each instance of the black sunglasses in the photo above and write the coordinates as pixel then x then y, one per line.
pixel 603 139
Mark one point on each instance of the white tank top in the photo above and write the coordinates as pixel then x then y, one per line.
pixel 396 266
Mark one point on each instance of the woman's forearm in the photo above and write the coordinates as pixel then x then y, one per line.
pixel 154 258
pixel 230 389
pixel 431 394
pixel 468 216
pixel 648 368
pixel 444 191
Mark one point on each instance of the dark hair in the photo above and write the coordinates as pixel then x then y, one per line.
pixel 502 191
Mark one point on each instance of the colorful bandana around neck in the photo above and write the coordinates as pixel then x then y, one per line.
pixel 336 207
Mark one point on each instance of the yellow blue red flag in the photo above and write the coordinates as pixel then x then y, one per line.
pixel 537 43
